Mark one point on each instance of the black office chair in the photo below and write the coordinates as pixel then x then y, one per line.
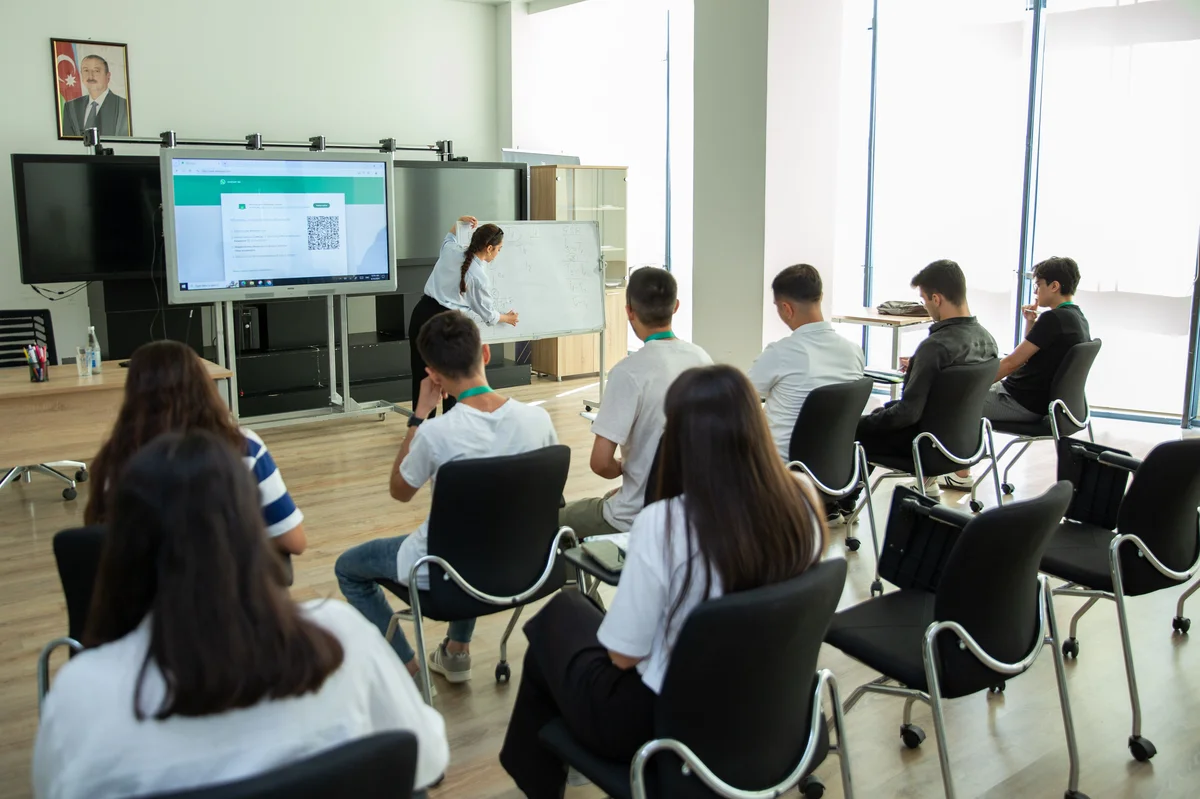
pixel 1156 543
pixel 17 330
pixel 494 544
pixel 1068 412
pixel 971 611
pixel 764 737
pixel 823 445
pixel 381 766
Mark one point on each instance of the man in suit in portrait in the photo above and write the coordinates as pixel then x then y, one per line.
pixel 99 107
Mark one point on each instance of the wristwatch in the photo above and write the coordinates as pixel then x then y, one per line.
pixel 415 421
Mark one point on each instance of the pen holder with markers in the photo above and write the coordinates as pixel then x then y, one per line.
pixel 39 371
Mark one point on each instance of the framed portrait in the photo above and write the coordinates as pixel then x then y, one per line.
pixel 91 88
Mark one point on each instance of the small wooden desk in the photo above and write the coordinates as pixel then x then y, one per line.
pixel 66 418
pixel 869 317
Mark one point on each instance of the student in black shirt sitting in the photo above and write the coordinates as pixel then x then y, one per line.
pixel 1021 392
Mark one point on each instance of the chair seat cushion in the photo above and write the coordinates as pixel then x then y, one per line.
pixel 1038 429
pixel 1078 552
pixel 897 463
pixel 887 634
pixel 612 776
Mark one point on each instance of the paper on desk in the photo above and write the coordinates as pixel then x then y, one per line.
pixel 620 539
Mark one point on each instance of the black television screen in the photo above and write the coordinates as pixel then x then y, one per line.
pixel 430 195
pixel 87 217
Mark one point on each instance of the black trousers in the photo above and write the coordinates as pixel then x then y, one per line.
pixel 426 309
pixel 567 674
pixel 896 443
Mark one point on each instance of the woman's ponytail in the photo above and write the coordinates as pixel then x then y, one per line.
pixel 485 236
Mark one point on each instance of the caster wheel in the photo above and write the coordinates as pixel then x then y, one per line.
pixel 877 588
pixel 503 673
pixel 1075 795
pixel 1181 625
pixel 1006 489
pixel 853 544
pixel 1141 748
pixel 69 493
pixel 911 735
pixel 81 476
pixel 587 408
pixel 975 505
pixel 1070 648
pixel 997 689
pixel 811 787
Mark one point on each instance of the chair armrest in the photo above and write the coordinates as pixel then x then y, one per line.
pixel 1125 462
pixel 939 513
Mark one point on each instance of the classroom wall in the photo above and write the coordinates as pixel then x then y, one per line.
pixel 416 70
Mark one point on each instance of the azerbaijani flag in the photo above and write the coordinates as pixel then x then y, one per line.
pixel 68 74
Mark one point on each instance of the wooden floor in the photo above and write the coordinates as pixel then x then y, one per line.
pixel 1004 746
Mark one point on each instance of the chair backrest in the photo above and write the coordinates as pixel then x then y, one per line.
pixel 823 437
pixel 1160 508
pixel 747 718
pixel 990 587
pixel 18 329
pixel 1070 382
pixel 494 520
pixel 650 493
pixel 953 412
pixel 77 553
pixel 381 766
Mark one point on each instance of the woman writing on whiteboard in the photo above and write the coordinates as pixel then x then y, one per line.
pixel 459 282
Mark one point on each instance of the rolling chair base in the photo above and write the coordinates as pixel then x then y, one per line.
pixel 18 472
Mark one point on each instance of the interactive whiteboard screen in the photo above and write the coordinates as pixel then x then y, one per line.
pixel 262 225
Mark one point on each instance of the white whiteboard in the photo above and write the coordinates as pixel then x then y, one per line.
pixel 552 275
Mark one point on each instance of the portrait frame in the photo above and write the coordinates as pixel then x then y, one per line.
pixel 77 86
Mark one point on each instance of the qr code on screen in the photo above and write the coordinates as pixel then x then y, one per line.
pixel 324 233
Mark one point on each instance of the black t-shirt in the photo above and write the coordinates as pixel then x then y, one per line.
pixel 1054 332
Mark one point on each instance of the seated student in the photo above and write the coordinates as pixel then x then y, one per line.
pixel 631 413
pixel 482 424
pixel 814 355
pixel 167 389
pixel 199 668
pixel 955 338
pixel 736 522
pixel 1021 392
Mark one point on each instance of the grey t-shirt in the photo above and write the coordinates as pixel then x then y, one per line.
pixel 631 416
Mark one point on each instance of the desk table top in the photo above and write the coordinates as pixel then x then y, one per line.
pixel 870 316
pixel 65 379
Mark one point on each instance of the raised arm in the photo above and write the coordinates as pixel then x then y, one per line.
pixel 472 221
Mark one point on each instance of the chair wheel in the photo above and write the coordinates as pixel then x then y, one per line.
pixel 811 787
pixel 1141 748
pixel 69 493
pixel 81 476
pixel 997 688
pixel 1006 489
pixel 911 735
pixel 853 544
pixel 1181 624
pixel 1070 648
pixel 1075 795
pixel 503 672
pixel 877 588
pixel 975 505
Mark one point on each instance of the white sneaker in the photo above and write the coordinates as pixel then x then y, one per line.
pixel 931 487
pixel 955 483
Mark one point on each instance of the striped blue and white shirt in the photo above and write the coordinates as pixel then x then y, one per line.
pixel 280 513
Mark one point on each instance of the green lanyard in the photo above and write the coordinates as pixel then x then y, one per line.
pixel 1064 304
pixel 660 336
pixel 474 392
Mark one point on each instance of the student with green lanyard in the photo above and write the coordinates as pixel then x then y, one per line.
pixel 1021 392
pixel 631 414
pixel 481 424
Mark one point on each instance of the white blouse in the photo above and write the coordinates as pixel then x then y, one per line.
pixel 444 281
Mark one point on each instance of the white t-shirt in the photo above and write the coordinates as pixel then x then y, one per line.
pixel 465 432
pixel 814 355
pixel 651 581
pixel 91 746
pixel 446 277
pixel 631 415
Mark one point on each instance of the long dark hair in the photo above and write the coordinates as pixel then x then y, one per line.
pixel 751 522
pixel 167 389
pixel 485 236
pixel 186 546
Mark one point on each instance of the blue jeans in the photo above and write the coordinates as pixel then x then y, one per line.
pixel 356 570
